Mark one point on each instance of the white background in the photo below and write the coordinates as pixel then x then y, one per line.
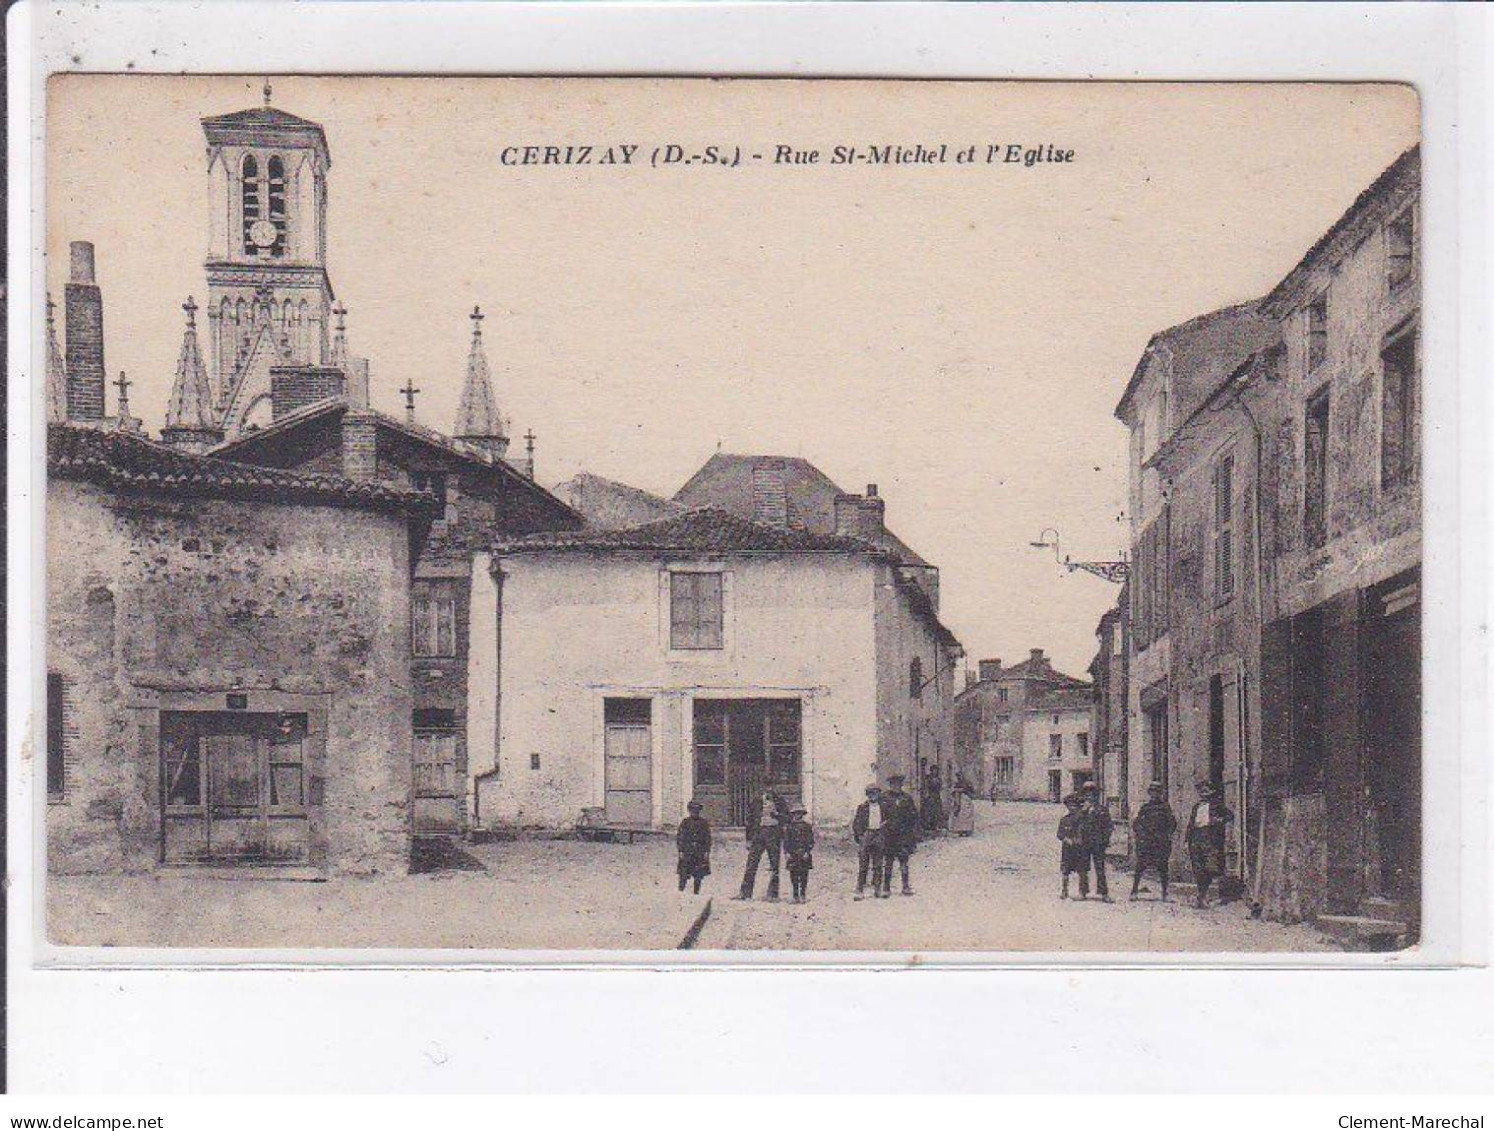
pixel 1020 1030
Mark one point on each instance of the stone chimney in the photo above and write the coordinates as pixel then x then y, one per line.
pixel 861 516
pixel 990 670
pixel 770 493
pixel 971 679
pixel 1038 658
pixel 84 306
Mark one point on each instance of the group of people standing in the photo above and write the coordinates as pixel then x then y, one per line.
pixel 886 827
pixel 959 816
pixel 1085 832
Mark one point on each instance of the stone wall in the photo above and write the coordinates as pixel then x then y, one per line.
pixel 152 597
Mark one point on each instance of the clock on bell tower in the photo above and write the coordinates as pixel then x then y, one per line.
pixel 269 297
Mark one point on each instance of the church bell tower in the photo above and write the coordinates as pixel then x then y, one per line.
pixel 269 298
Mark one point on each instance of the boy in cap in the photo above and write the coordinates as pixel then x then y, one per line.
pixel 1072 856
pixel 869 829
pixel 798 846
pixel 694 843
pixel 1153 826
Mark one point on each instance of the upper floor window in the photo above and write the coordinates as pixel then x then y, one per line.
pixel 1398 447
pixel 1315 471
pixel 1317 331
pixel 915 678
pixel 1400 249
pixel 1001 695
pixel 696 616
pixel 1055 747
pixel 433 616
pixel 1224 528
pixel 1083 744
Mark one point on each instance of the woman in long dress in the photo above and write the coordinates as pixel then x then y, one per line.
pixel 962 806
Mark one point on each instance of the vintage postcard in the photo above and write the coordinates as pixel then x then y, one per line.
pixel 617 515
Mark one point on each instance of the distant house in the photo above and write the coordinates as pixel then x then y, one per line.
pixel 703 655
pixel 609 505
pixel 227 662
pixel 1024 731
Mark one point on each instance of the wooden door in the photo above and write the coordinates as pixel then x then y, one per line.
pixel 629 762
pixel 437 798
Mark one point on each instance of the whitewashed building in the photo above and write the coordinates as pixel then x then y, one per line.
pixel 700 656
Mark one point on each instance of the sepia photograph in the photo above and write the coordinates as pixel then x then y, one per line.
pixel 749 517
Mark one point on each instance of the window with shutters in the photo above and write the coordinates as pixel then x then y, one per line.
pixel 1400 250
pixel 696 619
pixel 1317 332
pixel 1224 529
pixel 433 621
pixel 1315 471
pixel 1398 410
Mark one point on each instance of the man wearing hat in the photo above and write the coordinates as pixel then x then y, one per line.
pixel 869 829
pixel 900 819
pixel 798 846
pixel 765 821
pixel 1095 828
pixel 1152 830
pixel 1205 837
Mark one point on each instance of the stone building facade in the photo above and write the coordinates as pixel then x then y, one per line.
pixel 226 662
pixel 1341 535
pixel 1274 624
pixel 1025 729
pixel 703 656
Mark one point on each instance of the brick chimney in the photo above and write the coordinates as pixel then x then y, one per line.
pixel 990 670
pixel 84 305
pixel 861 516
pixel 770 493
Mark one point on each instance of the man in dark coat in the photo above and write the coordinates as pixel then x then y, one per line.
pixel 694 843
pixel 1205 837
pixel 900 816
pixel 869 827
pixel 1095 829
pixel 1152 830
pixel 933 801
pixel 765 821
pixel 798 846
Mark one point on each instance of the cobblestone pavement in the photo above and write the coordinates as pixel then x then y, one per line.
pixel 995 891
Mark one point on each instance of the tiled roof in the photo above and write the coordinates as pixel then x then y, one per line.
pixel 704 530
pixel 122 460
pixel 244 447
